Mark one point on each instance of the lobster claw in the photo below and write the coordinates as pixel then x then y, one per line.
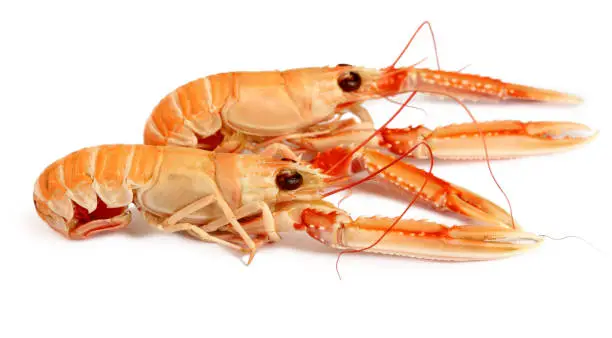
pixel 465 86
pixel 504 139
pixel 414 238
pixel 440 194
pixel 428 240
pixel 462 141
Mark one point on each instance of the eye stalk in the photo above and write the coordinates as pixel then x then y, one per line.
pixel 349 81
pixel 289 179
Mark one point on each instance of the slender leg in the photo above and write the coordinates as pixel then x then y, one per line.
pixel 171 223
pixel 249 210
pixel 259 240
pixel 227 211
pixel 189 209
pixel 203 235
pixel 275 149
pixel 358 110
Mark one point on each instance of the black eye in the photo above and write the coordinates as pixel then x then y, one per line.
pixel 289 180
pixel 343 65
pixel 349 82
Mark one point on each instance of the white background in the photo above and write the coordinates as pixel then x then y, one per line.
pixel 76 74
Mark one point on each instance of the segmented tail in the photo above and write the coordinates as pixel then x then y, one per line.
pixel 89 190
pixel 190 113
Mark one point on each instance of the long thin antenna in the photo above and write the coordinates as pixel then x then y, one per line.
pixel 486 151
pixel 433 38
